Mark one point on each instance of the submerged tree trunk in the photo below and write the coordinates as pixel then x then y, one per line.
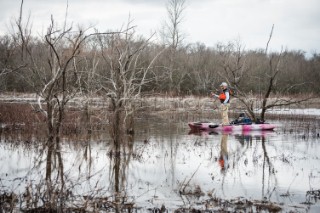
pixel 265 99
pixel 117 172
pixel 50 141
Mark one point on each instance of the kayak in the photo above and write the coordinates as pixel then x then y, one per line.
pixel 256 134
pixel 208 126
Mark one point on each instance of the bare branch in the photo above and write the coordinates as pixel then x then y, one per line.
pixel 270 36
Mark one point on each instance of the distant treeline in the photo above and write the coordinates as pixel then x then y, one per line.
pixel 189 69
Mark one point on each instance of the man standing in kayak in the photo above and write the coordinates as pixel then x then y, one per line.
pixel 224 98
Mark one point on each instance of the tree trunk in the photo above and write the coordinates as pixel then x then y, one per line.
pixel 265 99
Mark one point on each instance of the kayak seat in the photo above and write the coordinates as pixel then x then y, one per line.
pixel 242 121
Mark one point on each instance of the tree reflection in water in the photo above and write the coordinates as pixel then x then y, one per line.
pixel 162 169
pixel 120 155
pixel 43 184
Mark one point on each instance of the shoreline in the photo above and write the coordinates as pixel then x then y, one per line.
pixel 168 103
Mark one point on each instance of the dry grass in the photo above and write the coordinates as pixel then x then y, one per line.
pixel 20 115
pixel 23 118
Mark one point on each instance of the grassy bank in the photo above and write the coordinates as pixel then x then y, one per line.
pixel 20 111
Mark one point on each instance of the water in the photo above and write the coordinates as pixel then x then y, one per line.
pixel 165 165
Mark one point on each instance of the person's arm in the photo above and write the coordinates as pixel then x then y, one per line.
pixel 214 95
pixel 227 97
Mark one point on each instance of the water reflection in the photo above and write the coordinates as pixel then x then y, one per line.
pixel 161 166
pixel 223 159
pixel 120 156
pixel 264 165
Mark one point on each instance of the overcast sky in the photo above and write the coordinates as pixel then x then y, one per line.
pixel 297 22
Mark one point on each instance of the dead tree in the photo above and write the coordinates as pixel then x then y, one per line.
pixel 279 100
pixel 8 56
pixel 171 32
pixel 50 74
pixel 173 37
pixel 235 71
pixel 124 74
pixel 52 70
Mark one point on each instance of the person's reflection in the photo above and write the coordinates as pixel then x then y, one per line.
pixel 223 159
pixel 243 138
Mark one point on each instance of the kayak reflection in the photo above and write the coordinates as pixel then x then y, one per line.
pixel 244 135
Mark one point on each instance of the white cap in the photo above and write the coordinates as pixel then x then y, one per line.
pixel 224 84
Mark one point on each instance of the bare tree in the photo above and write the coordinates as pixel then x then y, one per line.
pixel 52 71
pixel 7 48
pixel 236 70
pixel 12 48
pixel 171 32
pixel 204 68
pixel 9 51
pixel 271 77
pixel 172 36
pixel 233 62
pixel 124 74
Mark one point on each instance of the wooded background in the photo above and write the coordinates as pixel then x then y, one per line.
pixel 191 69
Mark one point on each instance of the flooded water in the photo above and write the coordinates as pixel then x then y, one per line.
pixel 164 165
